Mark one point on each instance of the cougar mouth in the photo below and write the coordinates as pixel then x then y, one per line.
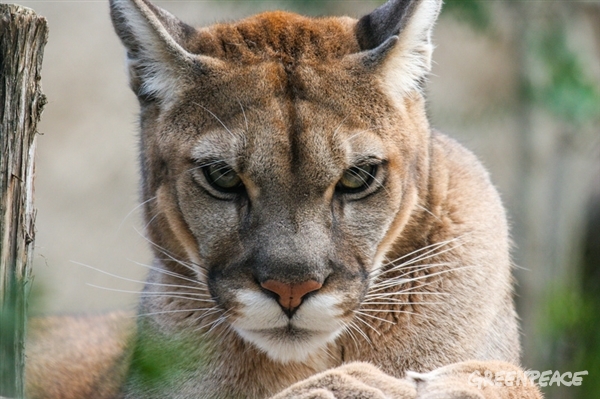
pixel 289 344
pixel 262 322
pixel 289 333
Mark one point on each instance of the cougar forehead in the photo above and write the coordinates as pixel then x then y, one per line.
pixel 277 35
pixel 293 65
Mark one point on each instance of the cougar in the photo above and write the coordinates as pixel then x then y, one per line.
pixel 314 237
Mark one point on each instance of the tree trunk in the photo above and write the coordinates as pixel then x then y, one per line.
pixel 23 36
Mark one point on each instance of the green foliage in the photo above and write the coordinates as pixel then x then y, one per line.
pixel 565 89
pixel 12 330
pixel 159 361
pixel 570 322
pixel 476 13
pixel 561 85
pixel 8 358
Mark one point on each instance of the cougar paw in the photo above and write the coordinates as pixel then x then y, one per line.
pixel 463 381
pixel 432 386
pixel 354 380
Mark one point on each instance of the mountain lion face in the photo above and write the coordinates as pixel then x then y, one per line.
pixel 282 157
pixel 285 188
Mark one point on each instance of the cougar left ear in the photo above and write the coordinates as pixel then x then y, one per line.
pixel 397 37
pixel 157 53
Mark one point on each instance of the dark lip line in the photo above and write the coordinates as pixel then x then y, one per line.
pixel 286 329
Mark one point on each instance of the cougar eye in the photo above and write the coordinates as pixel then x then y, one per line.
pixel 222 177
pixel 357 178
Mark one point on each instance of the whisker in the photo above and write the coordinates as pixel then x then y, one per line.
pixel 361 332
pixel 404 279
pixel 367 324
pixel 348 330
pixel 414 263
pixel 133 210
pixel 388 294
pixel 169 255
pixel 169 311
pixel 412 269
pixel 161 293
pixel 373 317
pixel 152 219
pixel 209 313
pixel 179 297
pixel 521 268
pixel 383 285
pixel 244 113
pixel 215 309
pixel 395 311
pixel 133 280
pixel 411 289
pixel 113 289
pixel 171 273
pixel 203 165
pixel 217 118
pixel 337 128
pixel 357 134
pixel 412 279
pixel 401 303
pixel 439 273
pixel 428 211
pixel 172 294
pixel 431 247
pixel 330 354
pixel 200 272
pixel 218 322
pixel 425 257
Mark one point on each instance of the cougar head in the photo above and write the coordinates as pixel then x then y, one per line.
pixel 282 157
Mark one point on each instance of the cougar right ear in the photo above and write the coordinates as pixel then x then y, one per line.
pixel 155 41
pixel 396 37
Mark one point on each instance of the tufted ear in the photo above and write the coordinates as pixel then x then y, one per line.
pixel 156 48
pixel 397 38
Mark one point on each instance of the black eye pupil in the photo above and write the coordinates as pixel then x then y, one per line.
pixel 357 178
pixel 222 177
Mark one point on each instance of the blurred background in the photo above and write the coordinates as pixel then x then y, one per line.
pixel 517 82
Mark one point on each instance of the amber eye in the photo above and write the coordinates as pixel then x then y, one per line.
pixel 222 177
pixel 357 178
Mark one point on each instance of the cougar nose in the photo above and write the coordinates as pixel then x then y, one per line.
pixel 290 295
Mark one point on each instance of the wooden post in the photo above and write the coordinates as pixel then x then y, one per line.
pixel 23 36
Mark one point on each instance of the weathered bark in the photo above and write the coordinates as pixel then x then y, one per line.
pixel 22 38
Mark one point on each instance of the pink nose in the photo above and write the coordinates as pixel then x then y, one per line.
pixel 290 295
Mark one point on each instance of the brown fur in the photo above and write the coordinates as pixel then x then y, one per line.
pixel 78 357
pixel 291 104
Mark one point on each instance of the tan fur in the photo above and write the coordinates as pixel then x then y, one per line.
pixel 78 357
pixel 415 268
